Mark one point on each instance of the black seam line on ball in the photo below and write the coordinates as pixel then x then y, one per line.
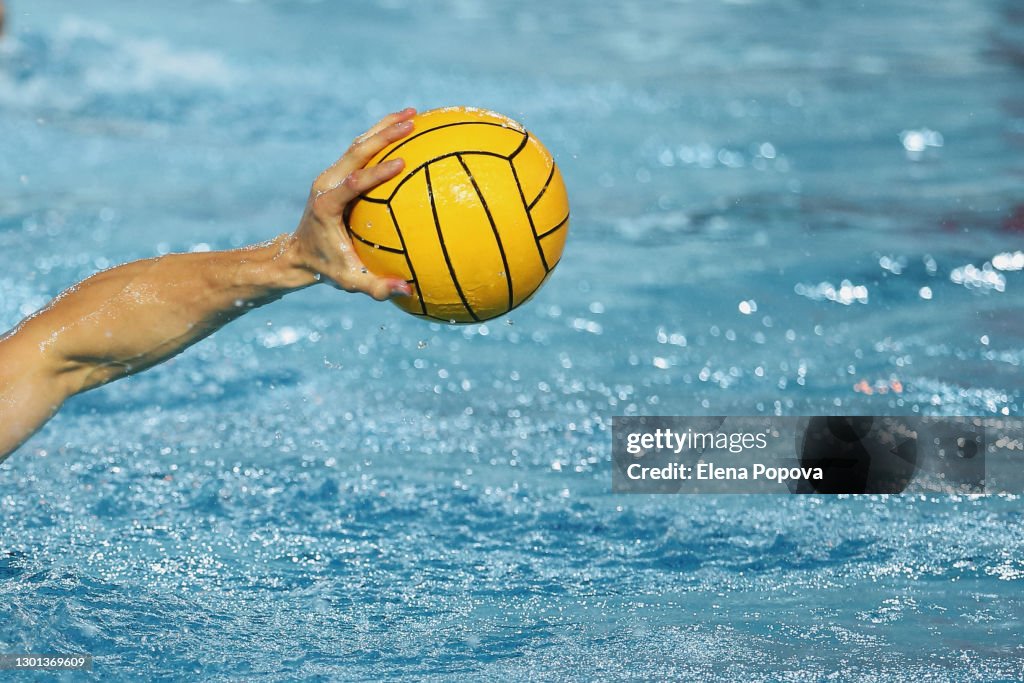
pixel 556 228
pixel 444 248
pixel 374 244
pixel 529 216
pixel 426 163
pixel 494 229
pixel 440 319
pixel 543 189
pixel 407 140
pixel 374 200
pixel 408 260
pixel 526 136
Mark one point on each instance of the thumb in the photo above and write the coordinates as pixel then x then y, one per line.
pixel 354 276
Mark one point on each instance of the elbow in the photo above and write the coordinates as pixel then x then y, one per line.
pixel 29 396
pixel 79 376
pixel 31 370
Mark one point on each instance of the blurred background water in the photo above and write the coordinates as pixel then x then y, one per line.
pixel 786 207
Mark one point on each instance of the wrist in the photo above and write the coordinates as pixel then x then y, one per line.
pixel 290 267
pixel 261 273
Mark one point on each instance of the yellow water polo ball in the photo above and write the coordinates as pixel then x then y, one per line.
pixel 475 222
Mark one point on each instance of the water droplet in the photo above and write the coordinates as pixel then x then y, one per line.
pixel 451 321
pixel 421 344
pixel 364 270
pixel 317 277
pixel 510 323
pixel 501 274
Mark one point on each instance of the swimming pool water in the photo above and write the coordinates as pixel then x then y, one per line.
pixel 778 207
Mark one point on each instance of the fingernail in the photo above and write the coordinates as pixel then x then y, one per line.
pixel 402 288
pixel 403 125
pixel 393 164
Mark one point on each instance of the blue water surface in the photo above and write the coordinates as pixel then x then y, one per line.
pixel 779 207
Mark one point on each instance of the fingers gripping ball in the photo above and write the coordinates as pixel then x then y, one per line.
pixel 475 222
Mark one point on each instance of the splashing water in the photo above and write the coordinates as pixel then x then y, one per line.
pixel 352 493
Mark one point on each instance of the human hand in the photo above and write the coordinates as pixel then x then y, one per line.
pixel 323 244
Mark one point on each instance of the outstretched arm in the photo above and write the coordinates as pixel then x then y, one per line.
pixel 132 317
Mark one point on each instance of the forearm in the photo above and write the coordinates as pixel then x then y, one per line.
pixel 131 317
